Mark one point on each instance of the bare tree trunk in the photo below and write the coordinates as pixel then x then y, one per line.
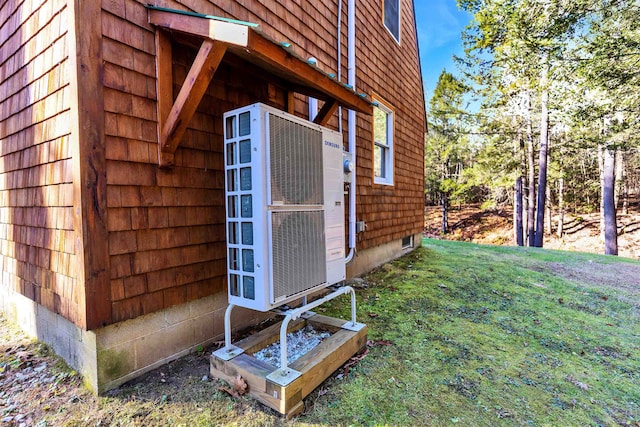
pixel 549 224
pixel 518 212
pixel 543 154
pixel 601 176
pixel 625 198
pixel 625 185
pixel 619 177
pixel 517 197
pixel 525 210
pixel 584 174
pixel 561 205
pixel 531 197
pixel 445 213
pixel 611 228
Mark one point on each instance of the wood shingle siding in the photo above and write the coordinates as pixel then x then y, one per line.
pixel 166 227
pixel 37 251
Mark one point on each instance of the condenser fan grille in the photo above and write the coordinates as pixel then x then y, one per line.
pixel 296 163
pixel 299 255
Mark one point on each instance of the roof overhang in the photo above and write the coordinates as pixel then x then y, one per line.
pixel 246 41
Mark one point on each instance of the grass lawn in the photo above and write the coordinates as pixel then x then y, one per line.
pixel 487 335
pixel 460 334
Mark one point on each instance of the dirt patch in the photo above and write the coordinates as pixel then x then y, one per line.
pixel 471 224
pixel 34 383
pixel 38 389
pixel 495 226
pixel 619 276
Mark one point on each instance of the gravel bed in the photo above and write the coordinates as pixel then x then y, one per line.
pixel 299 343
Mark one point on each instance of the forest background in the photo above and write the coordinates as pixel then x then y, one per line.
pixel 542 117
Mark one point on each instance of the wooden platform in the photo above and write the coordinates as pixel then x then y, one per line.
pixel 315 366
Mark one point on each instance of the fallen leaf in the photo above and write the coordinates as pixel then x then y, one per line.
pixel 371 343
pixel 355 359
pixel 230 392
pixel 372 315
pixel 577 383
pixel 502 413
pixel 240 385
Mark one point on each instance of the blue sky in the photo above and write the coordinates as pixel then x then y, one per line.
pixel 439 26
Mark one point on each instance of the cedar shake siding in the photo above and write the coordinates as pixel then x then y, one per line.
pixel 38 256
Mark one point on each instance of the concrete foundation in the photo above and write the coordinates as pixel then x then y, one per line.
pixel 366 260
pixel 111 356
pixel 76 346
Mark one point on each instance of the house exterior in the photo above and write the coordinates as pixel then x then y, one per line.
pixel 112 235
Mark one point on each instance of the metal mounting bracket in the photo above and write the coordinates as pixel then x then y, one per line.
pixel 228 353
pixel 283 377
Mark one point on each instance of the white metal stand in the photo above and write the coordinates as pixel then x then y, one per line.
pixel 285 375
pixel 229 351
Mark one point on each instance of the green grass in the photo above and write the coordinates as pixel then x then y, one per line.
pixel 491 336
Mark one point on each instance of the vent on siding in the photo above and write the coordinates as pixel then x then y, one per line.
pixel 296 163
pixel 407 242
pixel 299 254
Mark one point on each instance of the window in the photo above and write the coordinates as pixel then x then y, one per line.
pixel 391 16
pixel 382 144
pixel 407 242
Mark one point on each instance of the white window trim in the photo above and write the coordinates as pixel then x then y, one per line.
pixel 388 160
pixel 399 22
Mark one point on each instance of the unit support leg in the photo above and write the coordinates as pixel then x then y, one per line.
pixel 229 351
pixel 285 375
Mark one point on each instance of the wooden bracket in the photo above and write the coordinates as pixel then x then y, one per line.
pixel 247 43
pixel 191 93
pixel 326 112
pixel 164 89
pixel 291 102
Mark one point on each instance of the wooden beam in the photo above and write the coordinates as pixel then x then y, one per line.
pixel 191 93
pixel 272 54
pixel 291 102
pixel 212 29
pixel 89 165
pixel 246 41
pixel 164 86
pixel 326 112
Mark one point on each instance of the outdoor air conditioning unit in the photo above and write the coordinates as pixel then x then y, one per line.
pixel 284 192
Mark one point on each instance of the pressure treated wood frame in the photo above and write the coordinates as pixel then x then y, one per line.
pixel 220 35
pixel 315 366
